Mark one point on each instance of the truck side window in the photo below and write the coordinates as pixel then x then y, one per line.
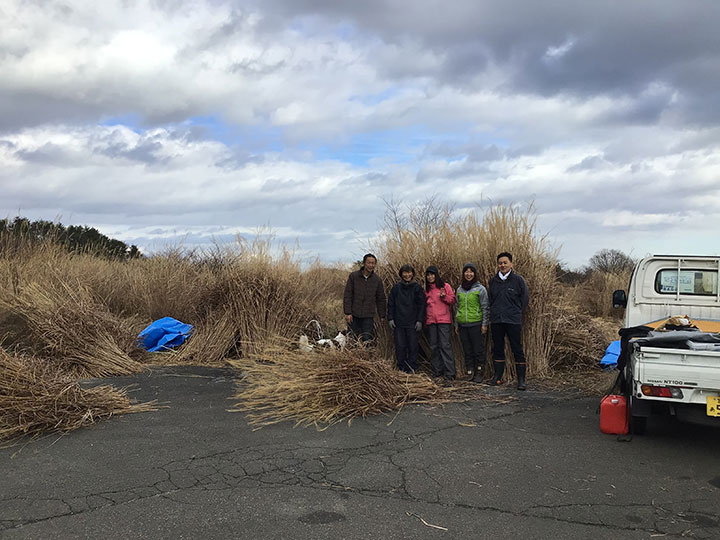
pixel 697 282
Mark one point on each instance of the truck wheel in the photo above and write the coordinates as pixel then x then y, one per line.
pixel 638 424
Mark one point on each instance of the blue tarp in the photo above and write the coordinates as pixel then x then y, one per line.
pixel 611 355
pixel 164 333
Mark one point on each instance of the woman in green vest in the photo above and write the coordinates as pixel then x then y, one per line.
pixel 471 321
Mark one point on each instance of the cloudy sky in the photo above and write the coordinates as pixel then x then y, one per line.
pixel 174 121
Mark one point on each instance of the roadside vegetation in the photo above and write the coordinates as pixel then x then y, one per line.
pixel 68 314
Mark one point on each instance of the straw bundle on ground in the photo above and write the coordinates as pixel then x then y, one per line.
pixel 327 386
pixel 36 398
pixel 66 324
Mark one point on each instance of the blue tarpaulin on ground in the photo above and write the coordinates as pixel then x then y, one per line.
pixel 611 355
pixel 164 333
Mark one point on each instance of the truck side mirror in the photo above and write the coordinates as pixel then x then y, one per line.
pixel 619 299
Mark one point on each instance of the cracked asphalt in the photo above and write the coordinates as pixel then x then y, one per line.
pixel 537 467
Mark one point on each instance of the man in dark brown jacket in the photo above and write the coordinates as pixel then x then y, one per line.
pixel 364 295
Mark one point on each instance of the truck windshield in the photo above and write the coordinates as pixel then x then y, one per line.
pixel 698 282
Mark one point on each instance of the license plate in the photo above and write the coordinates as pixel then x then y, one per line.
pixel 713 405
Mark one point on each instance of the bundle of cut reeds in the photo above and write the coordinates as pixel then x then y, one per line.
pixel 327 386
pixel 36 397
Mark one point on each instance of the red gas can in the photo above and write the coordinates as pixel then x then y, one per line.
pixel 614 415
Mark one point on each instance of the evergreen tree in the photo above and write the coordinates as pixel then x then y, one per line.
pixel 75 238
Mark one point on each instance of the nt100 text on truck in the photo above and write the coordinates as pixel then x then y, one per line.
pixel 670 340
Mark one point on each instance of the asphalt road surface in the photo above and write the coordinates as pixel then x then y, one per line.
pixel 538 467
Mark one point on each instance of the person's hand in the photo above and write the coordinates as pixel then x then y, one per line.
pixel 484 329
pixel 457 328
pixel 392 324
pixel 418 326
pixel 348 319
pixel 442 293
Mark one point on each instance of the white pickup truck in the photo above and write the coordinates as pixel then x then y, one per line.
pixel 670 354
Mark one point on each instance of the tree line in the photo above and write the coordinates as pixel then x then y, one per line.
pixel 75 238
pixel 608 261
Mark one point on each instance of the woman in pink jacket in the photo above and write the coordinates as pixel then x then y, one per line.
pixel 440 298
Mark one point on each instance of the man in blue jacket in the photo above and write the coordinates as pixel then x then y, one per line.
pixel 406 313
pixel 509 296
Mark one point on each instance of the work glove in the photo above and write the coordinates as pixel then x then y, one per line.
pixel 418 326
pixel 392 324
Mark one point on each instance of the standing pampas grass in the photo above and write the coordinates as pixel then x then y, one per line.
pixel 433 234
pixel 36 398
pixel 260 295
pixel 256 292
pixel 594 295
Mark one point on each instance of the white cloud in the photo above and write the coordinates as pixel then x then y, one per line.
pixel 305 116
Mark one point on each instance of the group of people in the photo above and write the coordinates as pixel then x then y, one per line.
pixel 436 307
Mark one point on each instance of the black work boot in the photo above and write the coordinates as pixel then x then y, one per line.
pixel 521 376
pixel 499 370
pixel 470 372
pixel 478 378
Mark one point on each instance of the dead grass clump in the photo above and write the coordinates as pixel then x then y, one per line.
pixel 594 295
pixel 168 284
pixel 256 292
pixel 579 341
pixel 66 324
pixel 327 386
pixel 212 341
pixel 36 398
pixel 265 295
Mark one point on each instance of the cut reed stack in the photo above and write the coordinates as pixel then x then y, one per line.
pixel 325 387
pixel 36 398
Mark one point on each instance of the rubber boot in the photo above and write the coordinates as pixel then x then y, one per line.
pixel 499 370
pixel 470 372
pixel 520 376
pixel 478 378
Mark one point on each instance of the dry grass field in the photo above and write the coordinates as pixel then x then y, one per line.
pixel 66 316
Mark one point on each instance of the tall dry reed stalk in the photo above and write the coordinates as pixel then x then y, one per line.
pixel 594 294
pixel 436 235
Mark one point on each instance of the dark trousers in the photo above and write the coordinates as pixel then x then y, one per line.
pixel 406 349
pixel 441 356
pixel 362 328
pixel 473 344
pixel 514 335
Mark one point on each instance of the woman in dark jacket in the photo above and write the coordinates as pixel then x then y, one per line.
pixel 406 311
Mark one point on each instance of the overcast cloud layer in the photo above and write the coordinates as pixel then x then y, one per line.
pixel 177 121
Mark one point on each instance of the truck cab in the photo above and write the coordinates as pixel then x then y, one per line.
pixel 672 364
